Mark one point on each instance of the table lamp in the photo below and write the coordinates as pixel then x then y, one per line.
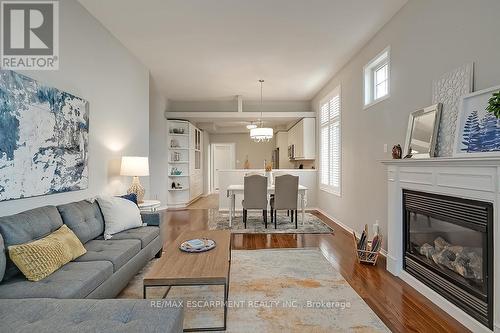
pixel 135 166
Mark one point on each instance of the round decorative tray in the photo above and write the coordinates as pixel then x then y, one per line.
pixel 197 245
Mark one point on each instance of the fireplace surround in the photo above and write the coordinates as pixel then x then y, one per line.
pixel 463 181
pixel 448 245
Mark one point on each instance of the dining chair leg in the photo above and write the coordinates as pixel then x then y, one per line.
pixel 291 215
pixel 265 218
pixel 275 218
pixel 245 217
pixel 296 219
pixel 288 212
pixel 272 216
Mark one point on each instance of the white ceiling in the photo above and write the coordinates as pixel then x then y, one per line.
pixel 214 49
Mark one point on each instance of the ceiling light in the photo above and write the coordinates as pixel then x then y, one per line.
pixel 261 134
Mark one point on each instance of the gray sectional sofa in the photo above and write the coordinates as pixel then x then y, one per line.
pixel 101 273
pixel 88 315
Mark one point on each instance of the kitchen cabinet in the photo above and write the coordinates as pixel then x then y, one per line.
pixel 282 145
pixel 302 136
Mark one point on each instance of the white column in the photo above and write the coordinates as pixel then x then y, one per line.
pixel 395 222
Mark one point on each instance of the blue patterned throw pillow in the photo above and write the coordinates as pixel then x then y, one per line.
pixel 132 197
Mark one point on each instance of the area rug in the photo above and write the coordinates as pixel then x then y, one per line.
pixel 282 290
pixel 255 223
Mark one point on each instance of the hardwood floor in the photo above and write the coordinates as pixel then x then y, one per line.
pixel 209 202
pixel 399 306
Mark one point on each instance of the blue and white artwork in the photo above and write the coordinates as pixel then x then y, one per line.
pixel 43 139
pixel 478 131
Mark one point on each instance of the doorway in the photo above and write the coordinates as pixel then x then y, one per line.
pixel 222 157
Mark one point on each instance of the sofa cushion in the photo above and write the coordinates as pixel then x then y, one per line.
pixel 73 280
pixel 118 252
pixel 130 196
pixel 84 218
pixel 86 315
pixel 3 259
pixel 26 227
pixel 144 234
pixel 151 218
pixel 40 258
pixel 119 215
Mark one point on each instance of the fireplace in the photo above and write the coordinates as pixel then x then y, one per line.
pixel 448 246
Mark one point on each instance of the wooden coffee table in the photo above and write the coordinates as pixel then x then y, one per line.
pixel 178 268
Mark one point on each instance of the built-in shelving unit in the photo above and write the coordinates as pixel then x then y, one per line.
pixel 185 177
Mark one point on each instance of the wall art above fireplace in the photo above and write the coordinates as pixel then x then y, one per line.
pixel 478 131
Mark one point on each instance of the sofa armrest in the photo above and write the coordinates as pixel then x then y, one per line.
pixel 151 218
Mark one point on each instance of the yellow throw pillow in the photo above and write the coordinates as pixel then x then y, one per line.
pixel 40 258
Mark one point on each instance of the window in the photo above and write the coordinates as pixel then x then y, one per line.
pixel 330 145
pixel 376 80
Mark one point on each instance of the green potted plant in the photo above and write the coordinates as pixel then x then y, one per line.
pixel 494 104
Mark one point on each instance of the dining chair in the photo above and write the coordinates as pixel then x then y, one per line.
pixel 255 196
pixel 253 173
pixel 286 193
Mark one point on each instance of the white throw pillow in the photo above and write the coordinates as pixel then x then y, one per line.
pixel 119 215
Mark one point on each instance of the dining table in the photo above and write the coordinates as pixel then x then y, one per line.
pixel 233 190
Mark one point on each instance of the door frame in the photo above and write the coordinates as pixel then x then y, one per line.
pixel 211 174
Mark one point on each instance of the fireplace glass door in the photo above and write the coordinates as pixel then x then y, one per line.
pixel 454 250
pixel 448 245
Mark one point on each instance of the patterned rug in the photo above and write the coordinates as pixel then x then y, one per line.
pixel 291 290
pixel 255 223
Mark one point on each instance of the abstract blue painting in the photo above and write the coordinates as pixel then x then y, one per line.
pixel 43 139
pixel 478 130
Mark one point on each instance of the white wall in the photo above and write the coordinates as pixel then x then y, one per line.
pixel 158 163
pixel 428 38
pixel 95 66
pixel 257 152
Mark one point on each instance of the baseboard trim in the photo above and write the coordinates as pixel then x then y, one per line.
pixel 336 220
pixel 344 226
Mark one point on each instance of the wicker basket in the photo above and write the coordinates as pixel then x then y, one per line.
pixel 366 256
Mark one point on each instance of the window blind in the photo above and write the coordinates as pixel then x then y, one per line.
pixel 330 145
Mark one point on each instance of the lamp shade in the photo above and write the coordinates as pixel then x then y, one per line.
pixel 261 134
pixel 134 166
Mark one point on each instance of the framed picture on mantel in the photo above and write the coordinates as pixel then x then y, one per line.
pixel 478 131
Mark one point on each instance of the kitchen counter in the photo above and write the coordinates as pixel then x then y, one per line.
pixel 307 177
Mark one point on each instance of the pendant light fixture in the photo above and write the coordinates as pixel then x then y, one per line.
pixel 261 134
pixel 251 125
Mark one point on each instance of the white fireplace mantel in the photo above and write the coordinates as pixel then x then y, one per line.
pixel 471 178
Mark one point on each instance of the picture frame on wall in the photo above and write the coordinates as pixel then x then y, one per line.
pixel 478 131
pixel 45 133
